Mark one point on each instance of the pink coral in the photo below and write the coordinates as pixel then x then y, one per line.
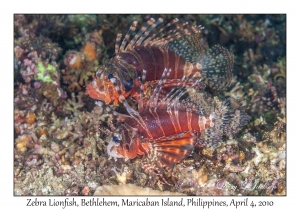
pixel 30 71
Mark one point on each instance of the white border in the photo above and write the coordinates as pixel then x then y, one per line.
pixel 8 8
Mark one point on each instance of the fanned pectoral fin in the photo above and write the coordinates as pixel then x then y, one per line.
pixel 174 149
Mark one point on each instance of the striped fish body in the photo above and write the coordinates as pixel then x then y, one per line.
pixel 159 136
pixel 156 60
pixel 176 48
pixel 162 123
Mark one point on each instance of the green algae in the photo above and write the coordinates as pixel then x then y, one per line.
pixel 43 73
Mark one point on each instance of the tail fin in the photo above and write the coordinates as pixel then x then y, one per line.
pixel 229 120
pixel 216 64
pixel 235 119
pixel 217 68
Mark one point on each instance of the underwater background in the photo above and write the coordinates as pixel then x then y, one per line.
pixel 60 135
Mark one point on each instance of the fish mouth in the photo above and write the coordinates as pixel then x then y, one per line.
pixel 112 149
pixel 100 89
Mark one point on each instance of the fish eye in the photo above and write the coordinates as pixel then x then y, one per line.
pixel 115 139
pixel 110 76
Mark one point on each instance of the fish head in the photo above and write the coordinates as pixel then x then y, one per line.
pixel 115 145
pixel 124 143
pixel 109 84
pixel 101 88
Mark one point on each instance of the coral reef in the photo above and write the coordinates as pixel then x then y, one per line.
pixel 36 58
pixel 81 65
pixel 61 135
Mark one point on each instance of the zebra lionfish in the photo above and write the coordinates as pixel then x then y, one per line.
pixel 157 133
pixel 174 46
